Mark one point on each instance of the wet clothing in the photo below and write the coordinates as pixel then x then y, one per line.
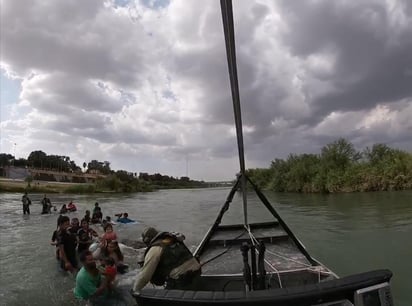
pixel 85 239
pixel 122 268
pixel 26 209
pixel 97 217
pixel 71 207
pixel 55 236
pixel 69 242
pixel 87 218
pixel 109 236
pixel 86 284
pixel 110 271
pixel 46 209
pixel 167 260
pixel 54 239
pixel 73 230
pixel 26 204
pixel 125 220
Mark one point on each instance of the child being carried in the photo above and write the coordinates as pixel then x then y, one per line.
pixel 110 271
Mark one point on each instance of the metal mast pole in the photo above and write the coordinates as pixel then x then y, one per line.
pixel 227 17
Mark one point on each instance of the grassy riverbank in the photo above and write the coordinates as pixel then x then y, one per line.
pixel 8 185
pixel 109 185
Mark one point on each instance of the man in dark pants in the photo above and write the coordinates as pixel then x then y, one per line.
pixel 26 203
pixel 67 242
pixel 46 208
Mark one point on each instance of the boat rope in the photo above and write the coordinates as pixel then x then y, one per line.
pixel 288 258
pixel 252 238
pixel 228 28
pixel 309 267
pixel 281 222
pixel 256 242
pixel 316 269
pixel 276 271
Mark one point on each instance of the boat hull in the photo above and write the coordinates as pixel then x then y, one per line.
pixel 342 291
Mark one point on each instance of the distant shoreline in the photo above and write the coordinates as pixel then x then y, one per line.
pixel 37 186
pixel 15 185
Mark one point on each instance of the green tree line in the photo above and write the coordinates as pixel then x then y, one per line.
pixel 120 180
pixel 338 168
pixel 40 160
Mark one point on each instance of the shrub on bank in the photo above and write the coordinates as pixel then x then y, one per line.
pixel 338 168
pixel 84 188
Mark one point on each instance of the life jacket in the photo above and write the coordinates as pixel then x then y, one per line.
pixel 174 254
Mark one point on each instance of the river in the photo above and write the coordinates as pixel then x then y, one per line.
pixel 350 233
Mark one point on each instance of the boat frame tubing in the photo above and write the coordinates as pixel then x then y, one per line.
pixel 282 223
pixel 218 220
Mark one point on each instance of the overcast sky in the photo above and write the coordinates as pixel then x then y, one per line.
pixel 145 84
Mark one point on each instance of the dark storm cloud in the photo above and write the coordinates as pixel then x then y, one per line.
pixel 65 37
pixel 121 79
pixel 372 50
pixel 385 82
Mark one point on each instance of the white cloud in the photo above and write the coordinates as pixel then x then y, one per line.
pixel 146 86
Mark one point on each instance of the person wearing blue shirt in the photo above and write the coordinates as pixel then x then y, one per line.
pixel 124 219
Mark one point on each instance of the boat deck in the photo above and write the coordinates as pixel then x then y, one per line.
pixel 224 246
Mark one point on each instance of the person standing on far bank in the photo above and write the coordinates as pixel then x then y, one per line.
pixel 26 203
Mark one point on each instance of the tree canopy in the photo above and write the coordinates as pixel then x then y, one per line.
pixel 338 168
pixel 120 180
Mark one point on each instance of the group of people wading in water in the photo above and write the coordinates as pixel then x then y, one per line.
pixel 167 261
pixel 46 206
pixel 73 240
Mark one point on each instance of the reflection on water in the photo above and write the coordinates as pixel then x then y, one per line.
pixel 350 233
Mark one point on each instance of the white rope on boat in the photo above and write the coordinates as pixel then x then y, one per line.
pixel 288 258
pixel 276 270
pixel 313 269
pixel 256 242
pixel 308 267
pixel 252 237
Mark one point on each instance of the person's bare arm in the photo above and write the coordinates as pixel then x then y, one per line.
pixel 67 264
pixel 100 290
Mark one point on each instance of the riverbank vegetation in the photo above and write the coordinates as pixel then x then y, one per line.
pixel 41 172
pixel 111 183
pixel 338 168
pixel 10 185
